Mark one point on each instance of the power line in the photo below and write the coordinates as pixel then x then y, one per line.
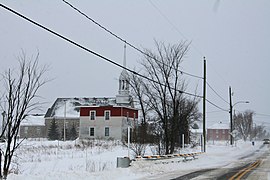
pixel 210 112
pixel 123 40
pixel 177 29
pixel 267 115
pixel 102 57
pixel 217 106
pixel 170 22
pixel 216 93
pixel 182 34
pixel 92 52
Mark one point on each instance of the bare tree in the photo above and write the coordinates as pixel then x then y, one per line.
pixel 138 91
pixel 139 135
pixel 258 132
pixel 163 95
pixel 21 88
pixel 243 123
pixel 189 114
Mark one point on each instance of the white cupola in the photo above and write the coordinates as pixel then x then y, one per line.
pixel 123 96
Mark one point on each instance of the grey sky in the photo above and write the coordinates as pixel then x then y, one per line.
pixel 234 38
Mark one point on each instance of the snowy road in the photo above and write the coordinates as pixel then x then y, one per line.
pixel 255 167
pixel 230 169
pixel 263 171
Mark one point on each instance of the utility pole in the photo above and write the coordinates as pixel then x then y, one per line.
pixel 204 105
pixel 231 121
pixel 65 116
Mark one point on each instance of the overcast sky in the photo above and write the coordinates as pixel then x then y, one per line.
pixel 232 35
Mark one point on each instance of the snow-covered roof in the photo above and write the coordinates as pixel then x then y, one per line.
pixel 198 131
pixel 219 125
pixel 33 120
pixel 70 107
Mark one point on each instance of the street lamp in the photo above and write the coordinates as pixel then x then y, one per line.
pixel 240 102
pixel 231 109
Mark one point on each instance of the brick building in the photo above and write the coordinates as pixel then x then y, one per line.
pixel 218 132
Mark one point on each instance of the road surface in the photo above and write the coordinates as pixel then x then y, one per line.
pixel 254 166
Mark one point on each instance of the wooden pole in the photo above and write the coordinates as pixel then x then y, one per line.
pixel 204 104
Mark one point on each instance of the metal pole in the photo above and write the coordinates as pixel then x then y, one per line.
pixel 231 121
pixel 128 139
pixel 183 141
pixel 201 143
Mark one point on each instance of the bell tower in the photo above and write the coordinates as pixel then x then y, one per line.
pixel 123 96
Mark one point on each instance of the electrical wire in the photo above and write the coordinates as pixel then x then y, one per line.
pixel 218 111
pixel 217 106
pixel 216 93
pixel 182 34
pixel 170 22
pixel 92 52
pixel 123 40
pixel 268 115
pixel 100 56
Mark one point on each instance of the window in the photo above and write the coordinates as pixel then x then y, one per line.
pixel 107 115
pixel 107 131
pixel 92 131
pixel 38 130
pixel 25 130
pixel 92 115
pixel 223 131
pixel 66 124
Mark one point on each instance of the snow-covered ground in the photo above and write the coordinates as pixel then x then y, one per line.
pixel 55 160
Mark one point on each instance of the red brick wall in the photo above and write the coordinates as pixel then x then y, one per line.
pixel 218 134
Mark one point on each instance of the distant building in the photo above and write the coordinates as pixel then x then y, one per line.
pixel 65 110
pixel 103 117
pixel 218 132
pixel 33 126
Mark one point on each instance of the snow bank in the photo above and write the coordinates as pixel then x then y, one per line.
pixel 55 160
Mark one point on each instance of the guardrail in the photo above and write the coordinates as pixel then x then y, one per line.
pixel 169 156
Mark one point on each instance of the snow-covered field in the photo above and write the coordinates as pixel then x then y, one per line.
pixel 97 160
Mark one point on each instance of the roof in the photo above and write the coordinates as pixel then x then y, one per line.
pixel 70 107
pixel 33 120
pixel 197 131
pixel 124 75
pixel 219 125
